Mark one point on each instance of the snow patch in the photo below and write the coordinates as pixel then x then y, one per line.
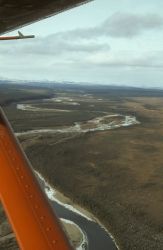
pixel 96 124
pixel 63 100
pixel 51 193
pixel 29 107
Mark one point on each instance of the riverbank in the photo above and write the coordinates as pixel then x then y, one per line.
pixel 61 199
pixel 57 196
pixel 74 233
pixel 115 174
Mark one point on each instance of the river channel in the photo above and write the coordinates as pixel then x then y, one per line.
pixel 96 237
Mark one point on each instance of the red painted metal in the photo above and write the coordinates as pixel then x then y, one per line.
pixel 15 37
pixel 35 225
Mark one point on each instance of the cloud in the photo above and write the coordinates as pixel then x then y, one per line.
pixel 54 45
pixel 122 59
pixel 130 25
pixel 119 25
pixel 87 40
pixel 86 52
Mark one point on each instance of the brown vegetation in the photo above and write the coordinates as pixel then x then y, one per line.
pixel 116 174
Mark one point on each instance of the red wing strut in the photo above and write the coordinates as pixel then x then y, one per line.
pixel 35 225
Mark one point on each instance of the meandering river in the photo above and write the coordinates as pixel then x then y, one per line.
pixel 97 238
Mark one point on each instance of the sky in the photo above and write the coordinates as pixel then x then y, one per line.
pixel 114 42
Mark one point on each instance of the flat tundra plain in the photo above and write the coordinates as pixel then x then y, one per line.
pixel 116 172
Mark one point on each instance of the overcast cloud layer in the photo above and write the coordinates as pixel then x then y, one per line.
pixel 125 48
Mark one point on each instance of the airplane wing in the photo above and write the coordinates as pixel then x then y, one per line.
pixel 17 13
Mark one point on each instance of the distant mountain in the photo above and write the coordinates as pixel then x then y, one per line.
pixel 83 87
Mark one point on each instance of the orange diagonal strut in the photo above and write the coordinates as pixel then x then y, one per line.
pixel 35 225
